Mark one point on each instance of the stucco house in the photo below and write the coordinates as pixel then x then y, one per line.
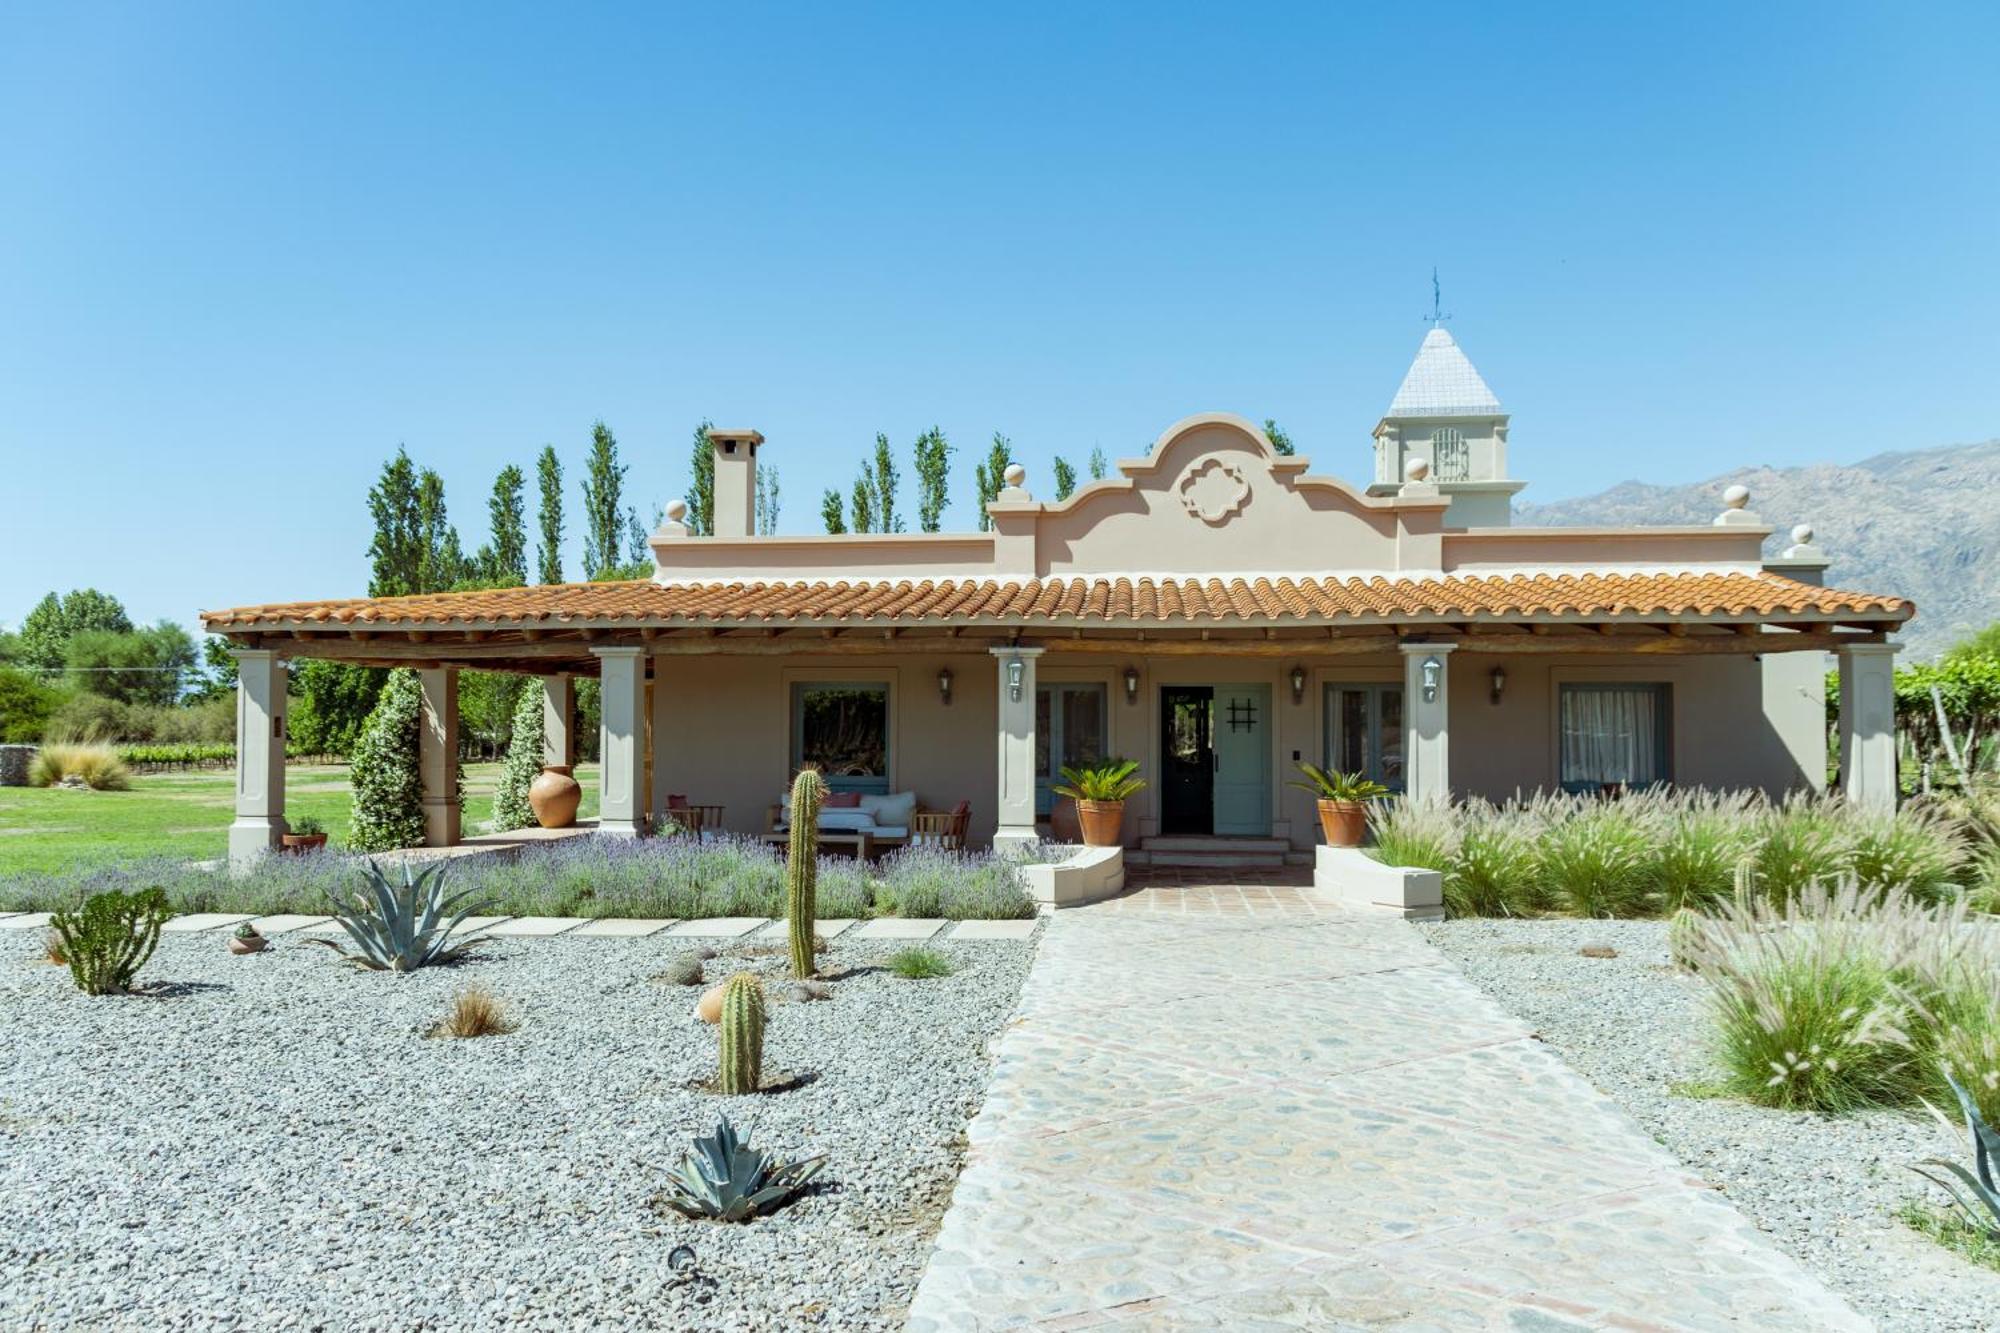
pixel 1214 610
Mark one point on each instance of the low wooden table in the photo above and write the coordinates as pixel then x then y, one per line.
pixel 861 843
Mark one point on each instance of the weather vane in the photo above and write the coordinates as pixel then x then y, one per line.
pixel 1437 315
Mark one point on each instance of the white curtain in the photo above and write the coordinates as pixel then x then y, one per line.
pixel 1612 735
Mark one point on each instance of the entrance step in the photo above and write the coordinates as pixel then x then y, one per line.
pixel 1212 853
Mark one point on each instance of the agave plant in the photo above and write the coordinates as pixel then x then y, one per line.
pixel 402 927
pixel 1978 1183
pixel 1332 785
pixel 723 1178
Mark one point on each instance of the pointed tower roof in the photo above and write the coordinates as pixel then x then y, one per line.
pixel 1442 383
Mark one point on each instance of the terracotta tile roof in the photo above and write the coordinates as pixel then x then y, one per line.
pixel 1082 600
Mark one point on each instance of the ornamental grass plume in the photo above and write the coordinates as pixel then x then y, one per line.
pixel 1820 999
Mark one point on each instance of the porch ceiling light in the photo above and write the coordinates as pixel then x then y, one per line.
pixel 1131 685
pixel 1016 671
pixel 1499 682
pixel 1298 684
pixel 1433 673
pixel 944 684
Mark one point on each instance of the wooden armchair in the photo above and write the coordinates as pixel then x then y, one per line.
pixel 943 829
pixel 696 820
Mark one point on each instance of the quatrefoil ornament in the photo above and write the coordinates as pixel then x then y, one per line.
pixel 1213 491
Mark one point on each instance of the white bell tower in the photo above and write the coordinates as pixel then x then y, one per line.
pixel 1445 415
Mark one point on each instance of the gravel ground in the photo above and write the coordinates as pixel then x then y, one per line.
pixel 271 1142
pixel 1825 1188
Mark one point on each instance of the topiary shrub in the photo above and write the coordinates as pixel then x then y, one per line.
pixel 388 784
pixel 524 762
pixel 108 939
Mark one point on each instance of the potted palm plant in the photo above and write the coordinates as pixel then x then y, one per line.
pixel 304 834
pixel 1100 792
pixel 1343 802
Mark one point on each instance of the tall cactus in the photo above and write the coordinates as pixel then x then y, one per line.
pixel 742 1035
pixel 802 868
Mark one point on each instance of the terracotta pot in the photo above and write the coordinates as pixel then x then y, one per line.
pixel 554 797
pixel 1345 823
pixel 297 844
pixel 247 943
pixel 1063 825
pixel 1103 822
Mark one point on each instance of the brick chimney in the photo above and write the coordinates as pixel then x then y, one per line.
pixel 735 481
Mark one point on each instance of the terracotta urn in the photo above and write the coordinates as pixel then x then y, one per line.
pixel 1103 822
pixel 1063 824
pixel 1345 823
pixel 298 844
pixel 554 796
pixel 251 943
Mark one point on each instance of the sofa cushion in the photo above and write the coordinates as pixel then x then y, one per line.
pixel 895 809
pixel 842 800
pixel 846 821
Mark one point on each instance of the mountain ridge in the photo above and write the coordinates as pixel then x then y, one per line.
pixel 1915 523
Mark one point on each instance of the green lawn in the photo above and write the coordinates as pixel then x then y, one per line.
pixel 188 814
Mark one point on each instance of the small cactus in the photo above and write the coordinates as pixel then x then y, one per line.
pixel 802 868
pixel 1684 938
pixel 742 1035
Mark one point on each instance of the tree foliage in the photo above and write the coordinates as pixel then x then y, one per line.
pixel 330 701
pixel 933 464
pixel 524 760
pixel 143 666
pixel 861 511
pixel 415 549
pixel 1098 467
pixel 991 475
pixel 549 518
pixel 1280 441
pixel 1065 478
pixel 26 705
pixel 886 479
pixel 701 484
pixel 603 503
pixel 386 776
pixel 43 641
pixel 767 501
pixel 503 561
pixel 832 512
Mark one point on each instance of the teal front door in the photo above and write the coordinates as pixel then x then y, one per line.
pixel 1242 740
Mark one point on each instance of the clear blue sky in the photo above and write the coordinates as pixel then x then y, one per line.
pixel 246 250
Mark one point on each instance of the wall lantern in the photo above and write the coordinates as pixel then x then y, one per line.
pixel 944 684
pixel 1016 671
pixel 1499 682
pixel 1298 684
pixel 1433 673
pixel 1131 685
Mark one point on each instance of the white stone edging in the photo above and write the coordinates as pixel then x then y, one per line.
pixel 1358 880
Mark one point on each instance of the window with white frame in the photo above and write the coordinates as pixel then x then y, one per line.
pixel 1613 736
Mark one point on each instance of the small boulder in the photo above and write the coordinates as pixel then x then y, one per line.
pixel 800 992
pixel 709 1007
pixel 1598 951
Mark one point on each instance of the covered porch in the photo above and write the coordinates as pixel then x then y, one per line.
pixel 977 691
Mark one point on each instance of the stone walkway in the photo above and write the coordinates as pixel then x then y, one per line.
pixel 1235 1108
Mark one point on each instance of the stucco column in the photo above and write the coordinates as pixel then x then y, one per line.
pixel 621 810
pixel 1015 744
pixel 260 757
pixel 1868 724
pixel 437 756
pixel 559 721
pixel 1426 721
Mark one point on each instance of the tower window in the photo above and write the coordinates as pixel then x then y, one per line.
pixel 1451 460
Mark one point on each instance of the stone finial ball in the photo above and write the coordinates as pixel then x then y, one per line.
pixel 676 510
pixel 1735 497
pixel 1803 534
pixel 1015 474
pixel 1417 469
